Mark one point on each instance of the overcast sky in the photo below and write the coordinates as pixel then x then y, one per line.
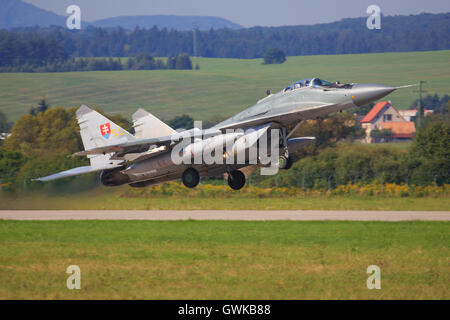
pixel 246 12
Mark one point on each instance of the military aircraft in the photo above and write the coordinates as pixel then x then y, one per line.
pixel 146 157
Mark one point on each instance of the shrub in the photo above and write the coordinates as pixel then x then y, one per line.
pixel 274 56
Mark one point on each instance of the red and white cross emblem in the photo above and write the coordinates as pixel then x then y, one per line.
pixel 105 129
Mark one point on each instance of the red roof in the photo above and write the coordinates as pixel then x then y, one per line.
pixel 374 111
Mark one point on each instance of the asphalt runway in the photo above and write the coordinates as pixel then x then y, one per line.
pixel 249 215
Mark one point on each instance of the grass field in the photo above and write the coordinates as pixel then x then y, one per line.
pixel 224 260
pixel 222 87
pixel 110 201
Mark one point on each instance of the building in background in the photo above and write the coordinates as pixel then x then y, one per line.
pixel 410 115
pixel 384 123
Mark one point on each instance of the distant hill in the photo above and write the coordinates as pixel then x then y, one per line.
pixel 16 14
pixel 180 23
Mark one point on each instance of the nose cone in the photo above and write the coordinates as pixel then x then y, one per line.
pixel 365 93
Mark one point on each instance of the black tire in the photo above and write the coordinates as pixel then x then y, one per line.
pixel 290 163
pixel 190 177
pixel 236 179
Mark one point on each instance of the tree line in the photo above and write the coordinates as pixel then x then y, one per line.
pixel 398 33
pixel 41 54
pixel 142 61
pixel 433 102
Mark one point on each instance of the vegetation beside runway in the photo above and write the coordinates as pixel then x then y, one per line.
pixel 223 259
pixel 100 199
pixel 287 190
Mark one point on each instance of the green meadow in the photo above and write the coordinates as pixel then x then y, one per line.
pixel 224 259
pixel 221 87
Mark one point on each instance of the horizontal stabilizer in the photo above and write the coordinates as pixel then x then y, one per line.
pixel 135 146
pixel 75 172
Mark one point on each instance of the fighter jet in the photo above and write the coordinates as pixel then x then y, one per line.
pixel 147 157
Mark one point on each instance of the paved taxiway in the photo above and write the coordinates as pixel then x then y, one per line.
pixel 257 215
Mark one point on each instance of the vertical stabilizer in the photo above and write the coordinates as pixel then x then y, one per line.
pixel 98 131
pixel 147 126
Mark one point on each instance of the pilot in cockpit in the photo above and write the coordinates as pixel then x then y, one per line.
pixel 321 83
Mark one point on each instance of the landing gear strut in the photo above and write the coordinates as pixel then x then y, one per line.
pixel 284 161
pixel 190 177
pixel 236 179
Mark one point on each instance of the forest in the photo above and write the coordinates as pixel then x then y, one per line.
pixel 422 32
pixel 38 53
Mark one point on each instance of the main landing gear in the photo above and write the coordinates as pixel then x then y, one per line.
pixel 236 179
pixel 284 161
pixel 190 177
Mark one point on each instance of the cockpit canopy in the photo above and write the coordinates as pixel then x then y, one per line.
pixel 310 82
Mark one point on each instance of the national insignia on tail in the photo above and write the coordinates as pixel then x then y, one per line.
pixel 105 130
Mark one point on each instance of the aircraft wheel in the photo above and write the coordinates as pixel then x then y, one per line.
pixel 236 179
pixel 283 162
pixel 290 162
pixel 190 177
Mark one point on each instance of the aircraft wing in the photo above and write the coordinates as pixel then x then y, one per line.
pixel 303 113
pixel 75 171
pixel 142 145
